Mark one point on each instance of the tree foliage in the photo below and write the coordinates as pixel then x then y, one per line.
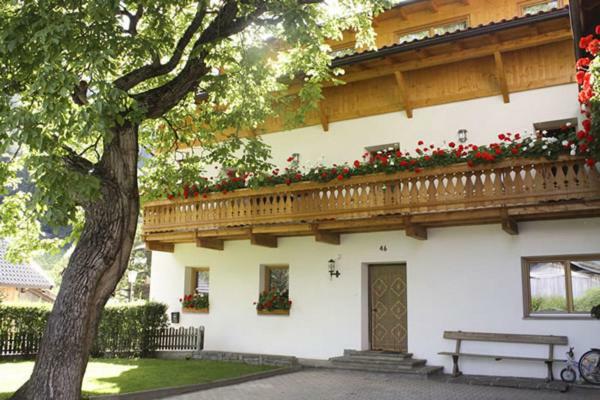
pixel 184 72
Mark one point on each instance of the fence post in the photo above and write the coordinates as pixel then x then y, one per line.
pixel 200 339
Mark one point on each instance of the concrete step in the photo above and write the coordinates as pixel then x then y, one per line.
pixel 406 363
pixel 423 371
pixel 376 353
pixel 383 359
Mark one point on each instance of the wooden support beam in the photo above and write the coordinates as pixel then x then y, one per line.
pixel 402 14
pixel 433 6
pixel 418 232
pixel 509 225
pixel 263 240
pixel 501 77
pixel 210 243
pixel 159 246
pixel 327 237
pixel 324 116
pixel 403 91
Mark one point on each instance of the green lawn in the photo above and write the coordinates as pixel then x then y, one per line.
pixel 132 375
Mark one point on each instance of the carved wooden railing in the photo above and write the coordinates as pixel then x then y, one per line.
pixel 511 183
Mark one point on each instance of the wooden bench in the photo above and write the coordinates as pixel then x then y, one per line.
pixel 460 336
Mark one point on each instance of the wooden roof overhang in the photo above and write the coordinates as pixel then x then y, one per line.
pixel 484 45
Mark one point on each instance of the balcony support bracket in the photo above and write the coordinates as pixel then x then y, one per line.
pixel 210 243
pixel 509 225
pixel 263 240
pixel 418 232
pixel 158 246
pixel 327 237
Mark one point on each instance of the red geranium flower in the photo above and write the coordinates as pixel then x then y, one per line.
pixel 585 41
pixel 597 30
pixel 582 63
pixel 590 162
pixel 587 125
pixel 420 143
pixel 340 177
pixel 451 144
pixel 356 163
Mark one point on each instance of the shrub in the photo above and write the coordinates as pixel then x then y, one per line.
pixel 589 299
pixel 123 329
pixel 548 303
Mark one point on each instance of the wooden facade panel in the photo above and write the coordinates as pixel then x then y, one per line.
pixel 540 66
pixel 467 79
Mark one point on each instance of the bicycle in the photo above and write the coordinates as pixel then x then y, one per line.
pixel 588 367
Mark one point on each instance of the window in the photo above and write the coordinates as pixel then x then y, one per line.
pixel 561 285
pixel 534 7
pixel 429 31
pixel 553 128
pixel 197 280
pixel 382 149
pixel 342 50
pixel 276 277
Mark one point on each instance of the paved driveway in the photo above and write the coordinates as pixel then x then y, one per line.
pixel 312 384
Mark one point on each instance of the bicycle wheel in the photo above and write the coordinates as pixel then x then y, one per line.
pixel 589 367
pixel 568 375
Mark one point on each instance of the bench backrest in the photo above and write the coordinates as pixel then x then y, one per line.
pixel 506 337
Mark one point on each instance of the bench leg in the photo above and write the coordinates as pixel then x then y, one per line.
pixel 550 377
pixel 455 370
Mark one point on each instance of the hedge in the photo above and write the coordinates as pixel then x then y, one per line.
pixel 123 330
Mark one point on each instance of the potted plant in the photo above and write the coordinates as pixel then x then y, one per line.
pixel 274 302
pixel 196 302
pixel 596 311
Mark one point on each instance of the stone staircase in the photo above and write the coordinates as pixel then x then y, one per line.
pixel 382 361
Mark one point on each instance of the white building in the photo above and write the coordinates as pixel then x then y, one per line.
pixel 415 260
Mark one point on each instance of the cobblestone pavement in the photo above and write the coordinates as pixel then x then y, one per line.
pixel 312 384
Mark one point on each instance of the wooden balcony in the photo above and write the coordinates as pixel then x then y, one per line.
pixel 505 193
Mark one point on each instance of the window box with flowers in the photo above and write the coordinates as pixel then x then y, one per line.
pixel 273 302
pixel 195 303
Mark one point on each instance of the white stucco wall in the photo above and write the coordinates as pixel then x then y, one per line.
pixel 464 278
pixel 483 118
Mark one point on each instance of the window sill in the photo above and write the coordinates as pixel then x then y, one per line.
pixel 576 317
pixel 195 310
pixel 273 312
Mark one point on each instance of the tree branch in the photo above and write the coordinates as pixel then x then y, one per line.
pixel 133 19
pixel 155 69
pixel 159 100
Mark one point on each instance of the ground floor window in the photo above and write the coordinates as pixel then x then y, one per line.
pixel 561 285
pixel 196 289
pixel 276 277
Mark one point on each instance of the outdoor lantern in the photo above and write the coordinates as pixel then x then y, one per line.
pixel 175 317
pixel 462 135
pixel 332 270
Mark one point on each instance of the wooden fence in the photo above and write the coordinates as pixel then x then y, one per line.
pixel 24 344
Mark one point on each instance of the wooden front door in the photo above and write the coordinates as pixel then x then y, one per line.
pixel 387 302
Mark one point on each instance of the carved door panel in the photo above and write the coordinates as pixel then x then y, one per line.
pixel 387 301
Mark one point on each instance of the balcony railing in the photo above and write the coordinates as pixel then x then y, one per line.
pixel 521 189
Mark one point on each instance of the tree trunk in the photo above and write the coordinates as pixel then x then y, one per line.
pixel 95 267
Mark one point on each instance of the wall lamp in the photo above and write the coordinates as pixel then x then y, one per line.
pixel 332 269
pixel 462 135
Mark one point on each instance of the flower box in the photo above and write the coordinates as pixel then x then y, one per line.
pixel 195 310
pixel 273 312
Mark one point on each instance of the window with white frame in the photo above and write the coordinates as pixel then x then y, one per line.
pixel 429 31
pixel 537 6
